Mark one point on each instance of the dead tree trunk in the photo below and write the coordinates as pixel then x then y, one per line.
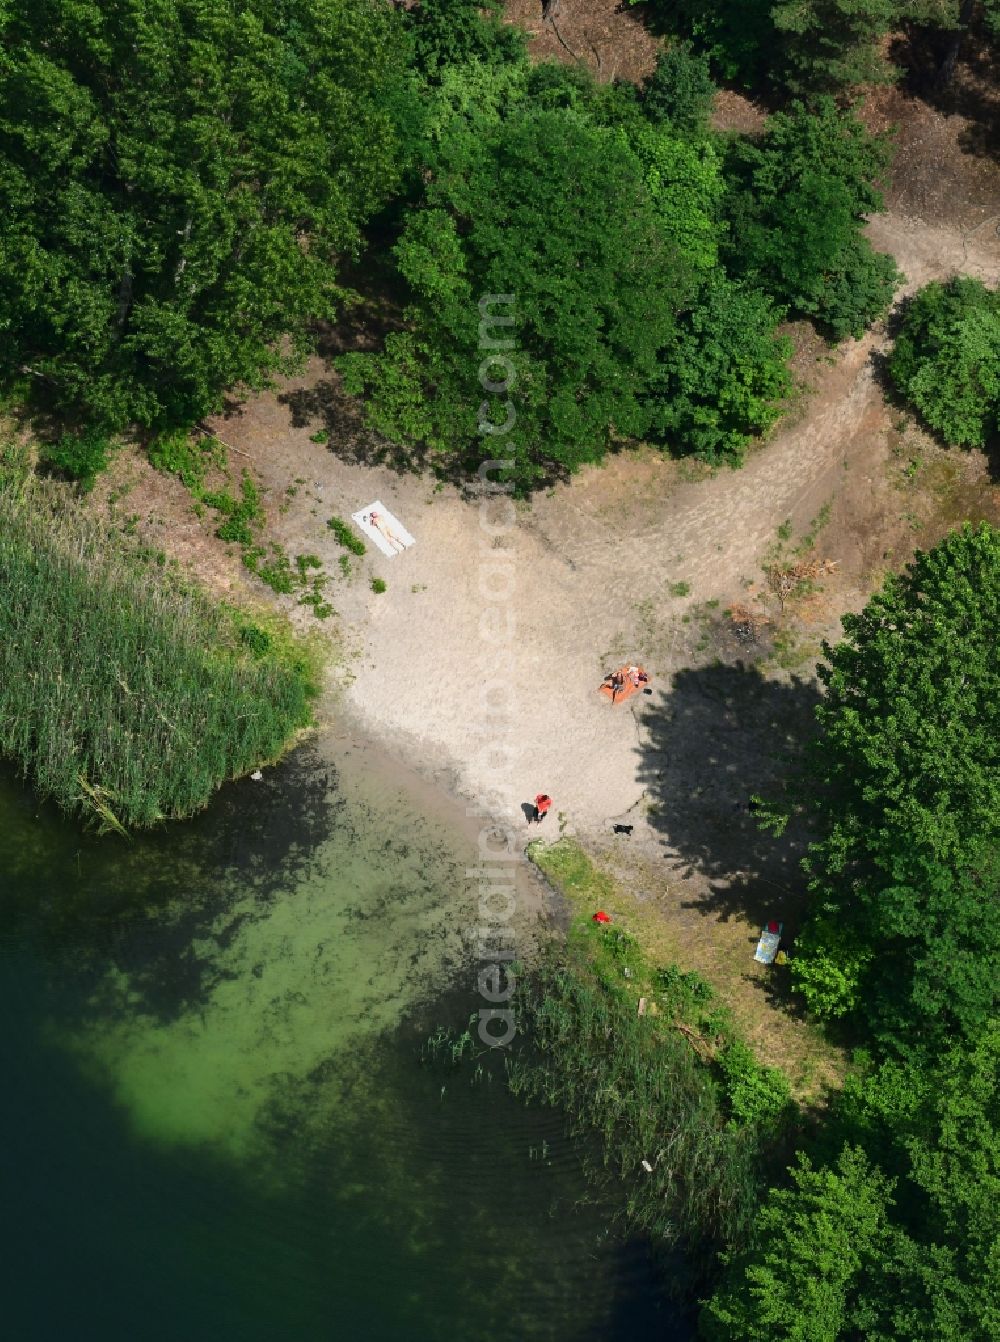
pixel 124 298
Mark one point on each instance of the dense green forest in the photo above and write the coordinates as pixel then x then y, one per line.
pixel 185 188
pixel 890 1227
pixel 182 187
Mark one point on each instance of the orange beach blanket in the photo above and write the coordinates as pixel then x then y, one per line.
pixel 627 688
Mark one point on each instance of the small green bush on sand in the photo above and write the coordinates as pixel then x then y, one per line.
pixel 946 360
pixel 345 536
pixel 78 456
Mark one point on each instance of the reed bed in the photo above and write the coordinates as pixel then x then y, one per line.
pixel 681 1115
pixel 126 693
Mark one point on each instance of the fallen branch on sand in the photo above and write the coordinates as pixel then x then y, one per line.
pixel 696 1039
pixel 747 621
pixel 210 433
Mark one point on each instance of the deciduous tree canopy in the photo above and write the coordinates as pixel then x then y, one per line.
pixel 895 1236
pixel 600 211
pixel 798 201
pixel 177 183
pixel 946 360
pixel 905 790
pixel 557 213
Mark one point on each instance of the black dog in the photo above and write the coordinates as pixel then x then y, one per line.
pixel 623 829
pixel 752 806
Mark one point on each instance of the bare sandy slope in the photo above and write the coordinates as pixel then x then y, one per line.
pixel 580 574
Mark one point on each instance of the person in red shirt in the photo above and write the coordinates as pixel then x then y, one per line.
pixel 543 804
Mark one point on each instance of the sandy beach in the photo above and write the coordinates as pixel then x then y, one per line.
pixel 481 661
pixel 497 627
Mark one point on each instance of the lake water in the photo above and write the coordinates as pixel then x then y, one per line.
pixel 220 1119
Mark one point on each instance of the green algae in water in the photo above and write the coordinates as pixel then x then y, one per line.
pixel 291 974
pixel 223 1128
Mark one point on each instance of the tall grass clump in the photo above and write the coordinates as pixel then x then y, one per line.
pixel 126 694
pixel 686 1121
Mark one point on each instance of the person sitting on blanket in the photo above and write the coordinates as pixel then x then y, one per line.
pixel 384 529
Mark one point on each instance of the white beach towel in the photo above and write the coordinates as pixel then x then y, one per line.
pixel 392 525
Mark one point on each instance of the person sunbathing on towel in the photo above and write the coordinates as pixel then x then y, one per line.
pixel 384 529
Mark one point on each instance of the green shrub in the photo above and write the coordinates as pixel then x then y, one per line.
pixel 314 598
pixel 277 573
pixel 798 202
pixel 680 90
pixel 236 530
pixel 448 33
pixel 80 456
pixel 182 455
pixel 274 568
pixel 689 997
pixel 686 991
pixel 126 694
pixel 723 377
pixel 346 536
pixel 946 359
pixel 829 967
pixel 258 640
pixel 757 1095
pixel 378 585
pixel 242 515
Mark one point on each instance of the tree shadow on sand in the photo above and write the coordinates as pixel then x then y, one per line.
pixel 970 92
pixel 723 734
pixel 327 407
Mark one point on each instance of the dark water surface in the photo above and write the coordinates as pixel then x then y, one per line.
pixel 218 1117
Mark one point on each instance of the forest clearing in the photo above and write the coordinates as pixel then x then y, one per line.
pixel 595 565
pixel 592 410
